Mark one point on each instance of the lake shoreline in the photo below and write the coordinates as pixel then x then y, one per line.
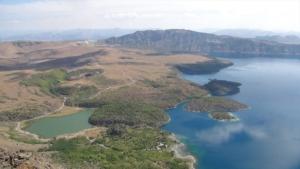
pixel 177 148
pixel 216 110
pixel 49 128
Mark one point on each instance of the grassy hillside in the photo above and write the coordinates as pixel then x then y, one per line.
pixel 47 82
pixel 82 73
pixel 27 112
pixel 165 92
pixel 77 91
pixel 131 114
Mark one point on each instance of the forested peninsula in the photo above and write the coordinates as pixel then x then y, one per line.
pixel 213 104
pixel 222 87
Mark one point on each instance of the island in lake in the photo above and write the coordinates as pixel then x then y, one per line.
pixel 222 87
pixel 222 116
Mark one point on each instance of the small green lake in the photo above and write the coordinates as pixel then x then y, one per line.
pixel 51 127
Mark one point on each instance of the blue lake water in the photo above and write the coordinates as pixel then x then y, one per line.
pixel 267 135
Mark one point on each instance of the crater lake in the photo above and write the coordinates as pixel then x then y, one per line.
pixel 266 136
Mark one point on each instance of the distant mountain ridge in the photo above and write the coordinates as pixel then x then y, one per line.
pixel 64 35
pixel 191 41
pixel 291 39
pixel 251 33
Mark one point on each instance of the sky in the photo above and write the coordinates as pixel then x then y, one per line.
pixel 283 15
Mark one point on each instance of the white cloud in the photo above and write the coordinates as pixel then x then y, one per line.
pixel 141 14
pixel 130 16
pixel 218 135
pixel 150 16
pixel 222 134
pixel 256 132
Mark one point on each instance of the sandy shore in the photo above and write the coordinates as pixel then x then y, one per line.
pixel 179 152
pixel 178 148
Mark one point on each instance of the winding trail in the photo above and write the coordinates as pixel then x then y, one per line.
pixel 129 77
pixel 99 93
pixel 18 128
pixel 124 73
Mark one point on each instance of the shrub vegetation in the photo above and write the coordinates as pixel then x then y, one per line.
pixel 131 114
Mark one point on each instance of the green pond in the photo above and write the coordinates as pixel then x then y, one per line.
pixel 51 127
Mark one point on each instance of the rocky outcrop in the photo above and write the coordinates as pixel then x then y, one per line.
pixel 13 159
pixel 23 159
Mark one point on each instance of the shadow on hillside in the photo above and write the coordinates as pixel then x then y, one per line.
pixel 68 62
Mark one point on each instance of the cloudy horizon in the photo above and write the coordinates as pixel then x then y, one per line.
pixel 144 14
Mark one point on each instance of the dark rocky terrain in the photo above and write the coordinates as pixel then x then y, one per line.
pixel 222 87
pixel 212 66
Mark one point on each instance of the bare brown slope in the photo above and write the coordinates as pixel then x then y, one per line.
pixel 56 63
pixel 114 61
pixel 17 48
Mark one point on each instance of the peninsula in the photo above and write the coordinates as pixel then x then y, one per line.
pixel 214 104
